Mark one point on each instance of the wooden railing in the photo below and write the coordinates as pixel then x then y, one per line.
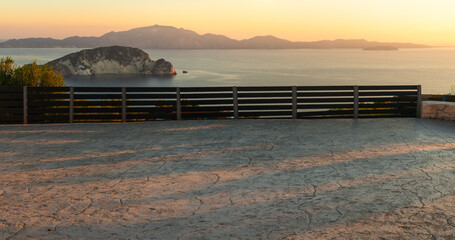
pixel 438 97
pixel 106 104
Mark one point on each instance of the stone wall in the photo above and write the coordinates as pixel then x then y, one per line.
pixel 438 110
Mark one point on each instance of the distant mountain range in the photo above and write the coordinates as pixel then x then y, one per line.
pixel 165 37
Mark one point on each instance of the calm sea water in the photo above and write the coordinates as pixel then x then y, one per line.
pixel 434 69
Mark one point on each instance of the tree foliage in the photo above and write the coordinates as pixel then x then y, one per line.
pixel 7 70
pixel 30 75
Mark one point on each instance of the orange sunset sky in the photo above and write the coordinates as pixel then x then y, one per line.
pixel 420 21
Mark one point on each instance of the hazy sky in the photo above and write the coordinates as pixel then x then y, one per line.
pixel 421 21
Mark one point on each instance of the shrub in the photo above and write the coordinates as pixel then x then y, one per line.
pixel 7 70
pixel 30 75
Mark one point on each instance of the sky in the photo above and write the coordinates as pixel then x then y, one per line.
pixel 419 21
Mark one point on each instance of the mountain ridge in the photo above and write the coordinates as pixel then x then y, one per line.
pixel 168 37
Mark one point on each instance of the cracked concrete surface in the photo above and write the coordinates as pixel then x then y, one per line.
pixel 245 179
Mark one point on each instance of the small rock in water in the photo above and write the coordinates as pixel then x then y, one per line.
pixel 185 72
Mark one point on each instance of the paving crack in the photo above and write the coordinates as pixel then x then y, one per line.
pixel 199 207
pixel 242 174
pixel 118 182
pixel 428 175
pixel 164 163
pixel 250 159
pixel 437 190
pixel 438 167
pixel 310 218
pixel 315 190
pixel 339 185
pixel 420 199
pixel 53 229
pixel 275 164
pixel 22 228
pixel 181 235
pixel 87 207
pixel 451 221
pixel 334 168
pixel 431 234
pixel 339 212
pixel 217 179
pixel 338 175
pixel 186 233
pixel 89 192
pixel 433 132
pixel 231 201
pixel 415 193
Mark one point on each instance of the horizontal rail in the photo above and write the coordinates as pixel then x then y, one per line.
pixel 48 96
pixel 151 116
pixel 394 87
pixel 323 88
pixel 265 113
pixel 277 88
pixel 11 96
pixel 11 90
pixel 97 89
pixel 11 119
pixel 328 112
pixel 324 100
pixel 264 94
pixel 150 109
pixel 11 111
pixel 153 102
pixel 391 93
pixel 151 95
pixel 203 109
pixel 207 115
pixel 388 99
pixel 205 89
pixel 206 95
pixel 323 94
pixel 264 100
pixel 11 104
pixel 97 96
pixel 265 107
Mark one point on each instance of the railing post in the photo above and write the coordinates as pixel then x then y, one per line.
pixel 235 97
pixel 123 104
pixel 179 104
pixel 356 102
pixel 294 102
pixel 71 105
pixel 419 101
pixel 25 105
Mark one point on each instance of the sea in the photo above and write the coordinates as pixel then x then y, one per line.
pixel 433 68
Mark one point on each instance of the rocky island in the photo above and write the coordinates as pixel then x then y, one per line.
pixel 111 60
pixel 381 48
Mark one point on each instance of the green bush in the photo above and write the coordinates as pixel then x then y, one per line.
pixel 30 75
pixel 7 70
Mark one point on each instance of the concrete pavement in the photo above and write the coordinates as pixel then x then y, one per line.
pixel 229 179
